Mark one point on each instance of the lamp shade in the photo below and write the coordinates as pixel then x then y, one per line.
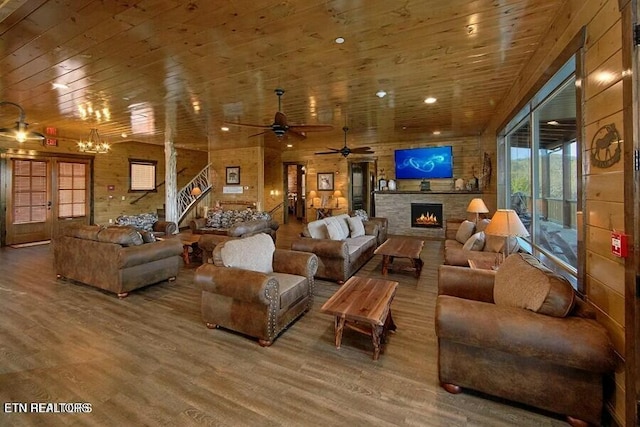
pixel 477 206
pixel 506 223
pixel 196 191
pixel 337 193
pixel 313 194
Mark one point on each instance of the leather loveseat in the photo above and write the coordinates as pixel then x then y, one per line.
pixel 465 240
pixel 341 249
pixel 521 333
pixel 115 259
pixel 255 289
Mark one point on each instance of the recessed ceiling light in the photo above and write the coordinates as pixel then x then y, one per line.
pixel 224 129
pixel 289 145
pixel 381 94
pixel 436 132
pixel 123 134
pixel 59 86
pixel 339 40
pixel 553 123
pixel 430 100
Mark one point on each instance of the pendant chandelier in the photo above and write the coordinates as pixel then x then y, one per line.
pixel 94 144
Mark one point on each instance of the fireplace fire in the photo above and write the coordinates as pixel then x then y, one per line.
pixel 426 215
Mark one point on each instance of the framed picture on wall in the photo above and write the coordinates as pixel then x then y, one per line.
pixel 233 174
pixel 325 181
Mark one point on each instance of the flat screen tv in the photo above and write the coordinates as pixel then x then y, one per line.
pixel 424 163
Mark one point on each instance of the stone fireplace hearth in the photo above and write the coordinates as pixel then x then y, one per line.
pixel 426 215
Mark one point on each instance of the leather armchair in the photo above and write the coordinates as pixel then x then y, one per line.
pixel 254 303
pixel 209 241
pixel 553 363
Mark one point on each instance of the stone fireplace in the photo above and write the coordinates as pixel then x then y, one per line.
pixel 426 215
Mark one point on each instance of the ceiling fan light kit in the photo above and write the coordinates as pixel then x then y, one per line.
pixel 280 127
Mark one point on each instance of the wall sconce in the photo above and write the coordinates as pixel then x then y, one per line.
pixel 337 194
pixel 274 193
pixel 20 133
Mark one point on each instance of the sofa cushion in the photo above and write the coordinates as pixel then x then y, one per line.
pixel 148 236
pixel 124 236
pixel 356 227
pixel 253 253
pixel 475 242
pixel 465 231
pixel 292 288
pixel 318 229
pixel 523 282
pixel 335 230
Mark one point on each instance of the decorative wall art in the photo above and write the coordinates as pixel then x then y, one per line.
pixel 325 181
pixel 606 147
pixel 233 175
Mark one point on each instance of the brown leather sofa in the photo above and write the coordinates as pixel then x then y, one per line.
pixel 115 259
pixel 338 259
pixel 149 222
pixel 208 241
pixel 251 300
pixel 552 354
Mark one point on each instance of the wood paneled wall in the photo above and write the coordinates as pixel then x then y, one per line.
pixel 603 188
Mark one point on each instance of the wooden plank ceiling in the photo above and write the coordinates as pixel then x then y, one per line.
pixel 135 67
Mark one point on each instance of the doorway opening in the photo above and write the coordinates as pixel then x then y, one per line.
pixel 362 184
pixel 295 185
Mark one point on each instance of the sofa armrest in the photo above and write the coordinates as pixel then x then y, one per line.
pixel 166 227
pixel 322 247
pixel 236 283
pixel 564 341
pixel 295 262
pixel 371 228
pixel 466 283
pixel 197 223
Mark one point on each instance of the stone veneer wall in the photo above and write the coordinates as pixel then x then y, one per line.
pixel 396 207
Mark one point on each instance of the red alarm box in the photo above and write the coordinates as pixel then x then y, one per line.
pixel 618 244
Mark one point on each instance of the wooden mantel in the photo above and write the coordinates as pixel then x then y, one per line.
pixel 396 207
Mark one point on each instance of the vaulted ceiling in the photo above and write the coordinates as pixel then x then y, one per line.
pixel 142 67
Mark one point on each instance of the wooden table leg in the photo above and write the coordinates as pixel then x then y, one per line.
pixel 339 328
pixel 385 264
pixel 417 265
pixel 376 333
pixel 185 253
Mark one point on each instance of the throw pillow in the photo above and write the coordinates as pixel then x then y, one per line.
pixel 253 253
pixel 318 229
pixel 356 227
pixel 362 214
pixel 465 231
pixel 334 229
pixel 475 242
pixel 482 224
pixel 523 282
pixel 344 225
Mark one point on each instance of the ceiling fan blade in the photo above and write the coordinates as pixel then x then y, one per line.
pixel 247 125
pixel 362 150
pixel 333 151
pixel 311 128
pixel 257 134
pixel 296 134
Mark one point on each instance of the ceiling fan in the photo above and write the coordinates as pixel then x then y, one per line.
pixel 345 151
pixel 280 126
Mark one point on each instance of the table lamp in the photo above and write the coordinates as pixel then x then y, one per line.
pixel 337 194
pixel 312 196
pixel 506 223
pixel 477 207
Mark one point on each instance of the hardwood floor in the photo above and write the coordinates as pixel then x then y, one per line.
pixel 149 360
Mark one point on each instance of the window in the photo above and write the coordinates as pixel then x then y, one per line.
pixel 29 191
pixel 72 190
pixel 142 175
pixel 539 154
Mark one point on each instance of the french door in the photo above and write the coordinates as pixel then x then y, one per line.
pixel 46 195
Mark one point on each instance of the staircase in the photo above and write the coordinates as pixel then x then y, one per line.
pixel 186 199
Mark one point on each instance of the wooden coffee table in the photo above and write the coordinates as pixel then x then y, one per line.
pixel 401 247
pixel 189 241
pixel 363 305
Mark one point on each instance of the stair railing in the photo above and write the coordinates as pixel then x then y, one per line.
pixel 187 200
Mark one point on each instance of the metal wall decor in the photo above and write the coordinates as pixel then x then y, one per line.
pixel 606 147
